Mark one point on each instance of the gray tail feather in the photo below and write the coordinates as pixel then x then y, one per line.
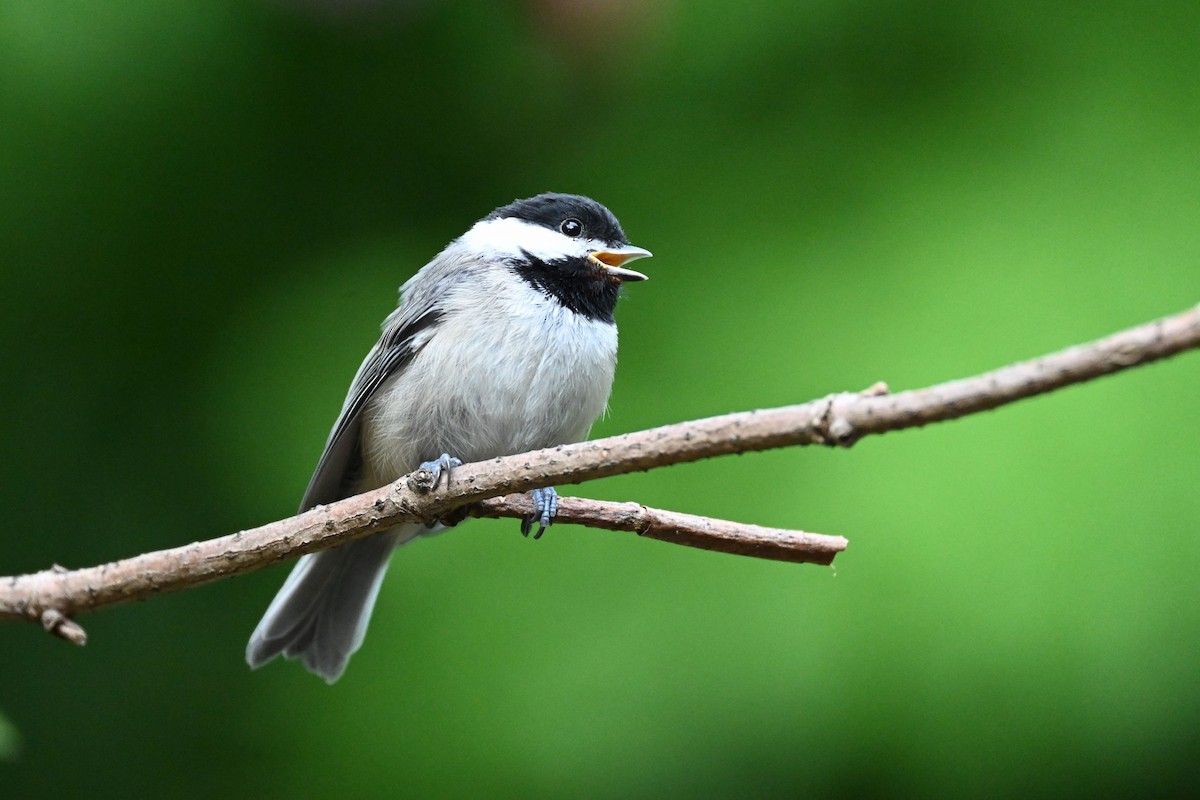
pixel 320 614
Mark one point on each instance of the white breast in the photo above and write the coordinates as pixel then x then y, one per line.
pixel 506 370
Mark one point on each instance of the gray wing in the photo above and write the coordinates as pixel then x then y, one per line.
pixel 342 459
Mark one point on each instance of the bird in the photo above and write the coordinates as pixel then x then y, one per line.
pixel 505 342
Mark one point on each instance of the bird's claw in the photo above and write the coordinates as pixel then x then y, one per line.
pixel 443 463
pixel 545 506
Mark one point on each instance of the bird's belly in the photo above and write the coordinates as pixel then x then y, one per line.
pixel 474 393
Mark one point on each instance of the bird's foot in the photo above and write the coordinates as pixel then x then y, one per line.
pixel 434 470
pixel 545 506
pixel 443 463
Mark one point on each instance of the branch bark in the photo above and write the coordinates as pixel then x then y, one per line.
pixel 53 596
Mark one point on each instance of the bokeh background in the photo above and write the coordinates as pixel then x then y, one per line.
pixel 205 211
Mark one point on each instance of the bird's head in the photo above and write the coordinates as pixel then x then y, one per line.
pixel 565 233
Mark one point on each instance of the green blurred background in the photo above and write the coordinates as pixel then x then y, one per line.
pixel 205 210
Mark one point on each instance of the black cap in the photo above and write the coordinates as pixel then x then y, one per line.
pixel 551 209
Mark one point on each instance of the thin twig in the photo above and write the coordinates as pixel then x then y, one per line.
pixel 777 544
pixel 836 420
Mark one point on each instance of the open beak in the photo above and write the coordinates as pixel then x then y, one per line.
pixel 611 262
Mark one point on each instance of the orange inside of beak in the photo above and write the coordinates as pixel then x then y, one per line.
pixel 610 259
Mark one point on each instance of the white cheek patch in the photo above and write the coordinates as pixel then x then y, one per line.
pixel 507 238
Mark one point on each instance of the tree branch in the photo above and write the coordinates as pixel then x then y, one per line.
pixel 53 596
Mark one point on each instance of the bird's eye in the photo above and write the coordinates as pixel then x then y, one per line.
pixel 571 227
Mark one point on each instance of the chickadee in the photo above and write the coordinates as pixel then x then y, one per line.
pixel 504 342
